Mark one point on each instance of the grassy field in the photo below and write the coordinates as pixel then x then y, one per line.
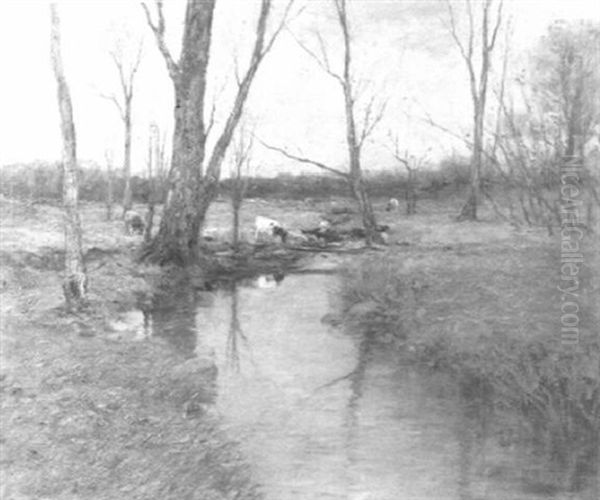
pixel 87 416
pixel 481 303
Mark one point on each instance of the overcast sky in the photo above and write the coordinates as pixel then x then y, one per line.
pixel 403 53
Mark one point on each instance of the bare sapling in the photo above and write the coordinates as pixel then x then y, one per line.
pixel 412 164
pixel 241 157
pixel 127 68
pixel 109 184
pixel 481 38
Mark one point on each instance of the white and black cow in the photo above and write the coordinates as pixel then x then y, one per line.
pixel 263 226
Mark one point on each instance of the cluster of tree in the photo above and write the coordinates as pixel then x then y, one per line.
pixel 551 123
pixel 551 119
pixel 547 117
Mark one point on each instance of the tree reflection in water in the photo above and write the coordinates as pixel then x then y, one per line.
pixel 235 335
pixel 173 317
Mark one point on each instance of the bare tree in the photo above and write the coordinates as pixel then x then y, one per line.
pixel 126 71
pixel 479 69
pixel 241 156
pixel 192 183
pixel 412 164
pixel 355 137
pixel 109 184
pixel 155 169
pixel 150 161
pixel 75 281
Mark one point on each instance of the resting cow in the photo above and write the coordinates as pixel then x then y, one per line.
pixel 263 226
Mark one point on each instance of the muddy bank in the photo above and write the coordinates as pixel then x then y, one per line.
pixel 88 414
pixel 85 415
pixel 91 418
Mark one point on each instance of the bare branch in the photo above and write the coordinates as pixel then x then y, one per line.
pixel 112 98
pixel 471 30
pixel 340 6
pixel 454 33
pixel 214 164
pixel 108 158
pixel 236 70
pixel 135 65
pixel 323 48
pixel 467 54
pixel 213 108
pixel 323 63
pixel 395 151
pixel 242 154
pixel 430 121
pixel 371 120
pixel 301 159
pixel 490 46
pixel 118 62
pixel 159 34
pixel 280 27
pixel 501 91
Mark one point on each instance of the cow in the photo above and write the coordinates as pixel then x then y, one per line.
pixel 263 226
pixel 269 281
pixel 392 204
pixel 133 222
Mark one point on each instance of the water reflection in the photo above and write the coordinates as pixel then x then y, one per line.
pixel 320 413
pixel 236 340
pixel 173 317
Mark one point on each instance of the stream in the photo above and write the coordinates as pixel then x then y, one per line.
pixel 319 413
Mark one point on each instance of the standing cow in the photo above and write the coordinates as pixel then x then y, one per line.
pixel 133 222
pixel 392 205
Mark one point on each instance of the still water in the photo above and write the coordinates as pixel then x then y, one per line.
pixel 319 413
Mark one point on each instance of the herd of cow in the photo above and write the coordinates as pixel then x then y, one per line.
pixel 265 227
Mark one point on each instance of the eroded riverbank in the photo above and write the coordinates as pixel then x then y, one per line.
pixel 260 383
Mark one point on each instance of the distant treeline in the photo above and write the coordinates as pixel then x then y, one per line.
pixel 41 181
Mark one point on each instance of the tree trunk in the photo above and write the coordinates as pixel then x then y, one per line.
pixel 469 209
pixel 109 192
pixel 236 225
pixel 361 195
pixel 356 181
pixel 151 193
pixel 206 194
pixel 411 193
pixel 177 238
pixel 366 211
pixel 127 198
pixel 149 222
pixel 75 281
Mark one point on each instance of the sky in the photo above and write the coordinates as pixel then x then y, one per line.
pixel 403 55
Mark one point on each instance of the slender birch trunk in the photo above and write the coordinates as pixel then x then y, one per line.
pixel 75 280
